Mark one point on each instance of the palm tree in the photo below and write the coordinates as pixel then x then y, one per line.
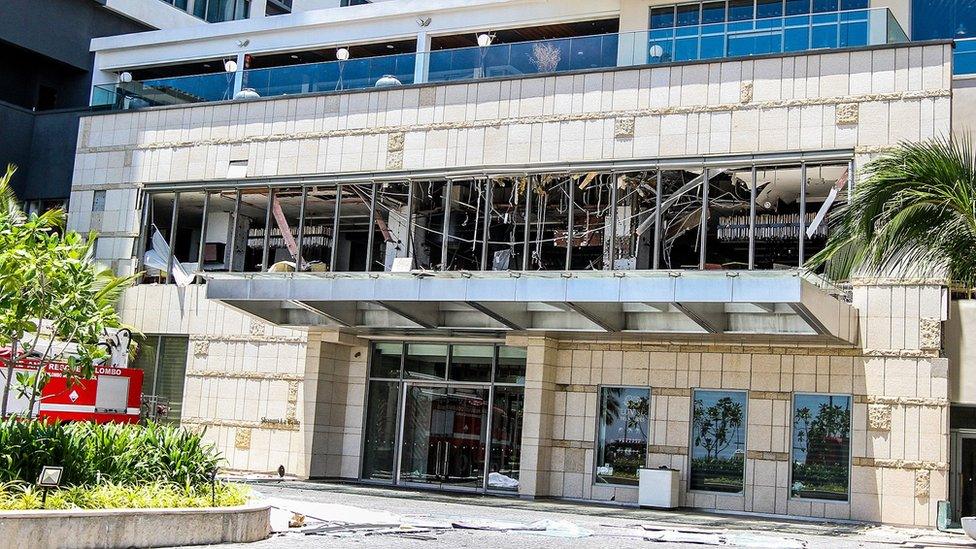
pixel 912 214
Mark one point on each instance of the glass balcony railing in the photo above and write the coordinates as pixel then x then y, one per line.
pixel 771 35
pixel 331 75
pixel 179 90
pixel 663 45
pixel 542 56
pixel 964 57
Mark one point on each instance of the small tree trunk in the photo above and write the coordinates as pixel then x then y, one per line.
pixel 9 380
pixel 33 395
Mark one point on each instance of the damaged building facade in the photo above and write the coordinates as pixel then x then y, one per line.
pixel 528 248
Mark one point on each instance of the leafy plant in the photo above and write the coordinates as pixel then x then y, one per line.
pixel 22 496
pixel 92 453
pixel 912 214
pixel 51 290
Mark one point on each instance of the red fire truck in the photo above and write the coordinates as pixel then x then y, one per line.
pixel 112 396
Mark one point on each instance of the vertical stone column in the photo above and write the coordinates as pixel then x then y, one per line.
pixel 900 432
pixel 540 387
pixel 335 390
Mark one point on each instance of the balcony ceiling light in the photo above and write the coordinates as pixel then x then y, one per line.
pixel 125 76
pixel 485 39
pixel 230 65
pixel 342 54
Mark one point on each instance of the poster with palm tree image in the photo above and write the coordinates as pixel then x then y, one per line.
pixel 718 441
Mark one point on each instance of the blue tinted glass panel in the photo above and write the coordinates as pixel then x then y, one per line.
pixel 664 46
pixel 796 7
pixel 713 12
pixel 685 49
pixel 824 36
pixel 853 4
pixel 662 18
pixel 824 5
pixel 796 39
pixel 774 23
pixel 853 34
pixel 740 10
pixel 586 52
pixel 769 8
pixel 712 47
pixel 740 26
pixel 687 15
pixel 686 31
pixel 754 43
pixel 956 19
pixel 964 63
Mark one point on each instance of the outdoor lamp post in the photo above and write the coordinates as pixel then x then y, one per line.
pixel 342 55
pixel 50 477
pixel 484 40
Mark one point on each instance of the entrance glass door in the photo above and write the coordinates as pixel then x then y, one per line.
pixel 444 433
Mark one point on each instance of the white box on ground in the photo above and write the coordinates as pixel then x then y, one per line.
pixel 658 488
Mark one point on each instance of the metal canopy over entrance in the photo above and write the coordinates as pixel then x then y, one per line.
pixel 720 304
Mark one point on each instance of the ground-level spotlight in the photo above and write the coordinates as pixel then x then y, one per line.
pixel 50 477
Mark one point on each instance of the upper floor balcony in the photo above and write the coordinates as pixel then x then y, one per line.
pixel 680 38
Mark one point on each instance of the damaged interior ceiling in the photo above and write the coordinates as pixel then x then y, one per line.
pixel 726 218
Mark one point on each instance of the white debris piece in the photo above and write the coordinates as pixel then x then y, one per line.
pixel 748 539
pixel 498 480
pixel 282 511
pixel 558 529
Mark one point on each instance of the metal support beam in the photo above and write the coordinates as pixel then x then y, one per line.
pixel 344 313
pixel 607 316
pixel 336 211
pixel 231 246
pixel 571 189
pixel 173 227
pixel 752 220
pixel 486 226
pixel 446 228
pixel 809 318
pixel 423 314
pixel 803 214
pixel 202 245
pixel 657 222
pixel 514 320
pixel 703 229
pixel 710 316
pixel 300 257
pixel 371 236
pixel 265 251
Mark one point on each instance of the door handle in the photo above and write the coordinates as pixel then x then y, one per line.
pixel 447 453
pixel 437 461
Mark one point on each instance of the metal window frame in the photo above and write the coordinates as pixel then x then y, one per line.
pixel 402 383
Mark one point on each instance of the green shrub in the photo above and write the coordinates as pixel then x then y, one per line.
pixel 92 454
pixel 17 496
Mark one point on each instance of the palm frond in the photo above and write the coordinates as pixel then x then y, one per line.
pixel 913 214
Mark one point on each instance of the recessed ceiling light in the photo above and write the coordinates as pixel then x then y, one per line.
pixel 293 56
pixel 206 65
pixel 389 46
